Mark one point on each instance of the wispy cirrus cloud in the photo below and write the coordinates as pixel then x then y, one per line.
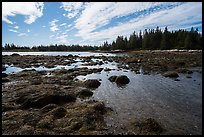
pixel 16 27
pixel 97 19
pixel 53 25
pixel 63 24
pixel 13 30
pixel 99 14
pixel 22 34
pixel 72 8
pixel 31 11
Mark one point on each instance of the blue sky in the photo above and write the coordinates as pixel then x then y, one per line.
pixel 91 23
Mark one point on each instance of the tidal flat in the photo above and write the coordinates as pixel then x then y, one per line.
pixel 141 93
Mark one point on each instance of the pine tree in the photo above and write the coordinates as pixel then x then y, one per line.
pixel 188 41
pixel 165 40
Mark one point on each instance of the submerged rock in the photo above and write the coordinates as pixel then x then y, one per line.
pixel 149 126
pixel 188 76
pixel 171 74
pixel 100 107
pixel 92 83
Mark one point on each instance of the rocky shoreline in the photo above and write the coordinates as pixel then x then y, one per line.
pixel 50 102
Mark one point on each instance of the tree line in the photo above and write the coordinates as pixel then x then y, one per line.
pixel 151 39
pixel 156 39
pixel 12 47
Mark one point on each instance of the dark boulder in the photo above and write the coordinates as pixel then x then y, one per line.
pixel 5 80
pixel 15 54
pixel 39 101
pixel 107 69
pixel 4 75
pixel 70 56
pixel 3 68
pixel 92 83
pixel 122 80
pixel 49 65
pixel 59 112
pixel 171 74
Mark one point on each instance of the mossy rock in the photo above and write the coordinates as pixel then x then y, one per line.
pixel 184 70
pixel 59 112
pixel 172 74
pixel 92 83
pixel 84 93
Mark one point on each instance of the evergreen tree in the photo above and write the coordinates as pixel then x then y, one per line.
pixel 165 42
pixel 188 42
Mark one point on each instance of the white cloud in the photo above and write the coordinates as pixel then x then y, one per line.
pixel 63 24
pixel 31 10
pixel 16 27
pixel 97 15
pixel 53 25
pixel 43 26
pixel 13 30
pixel 69 29
pixel 22 34
pixel 28 30
pixel 68 26
pixel 73 8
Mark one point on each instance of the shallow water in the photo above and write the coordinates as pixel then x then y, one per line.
pixel 176 105
pixel 85 54
pixel 79 64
